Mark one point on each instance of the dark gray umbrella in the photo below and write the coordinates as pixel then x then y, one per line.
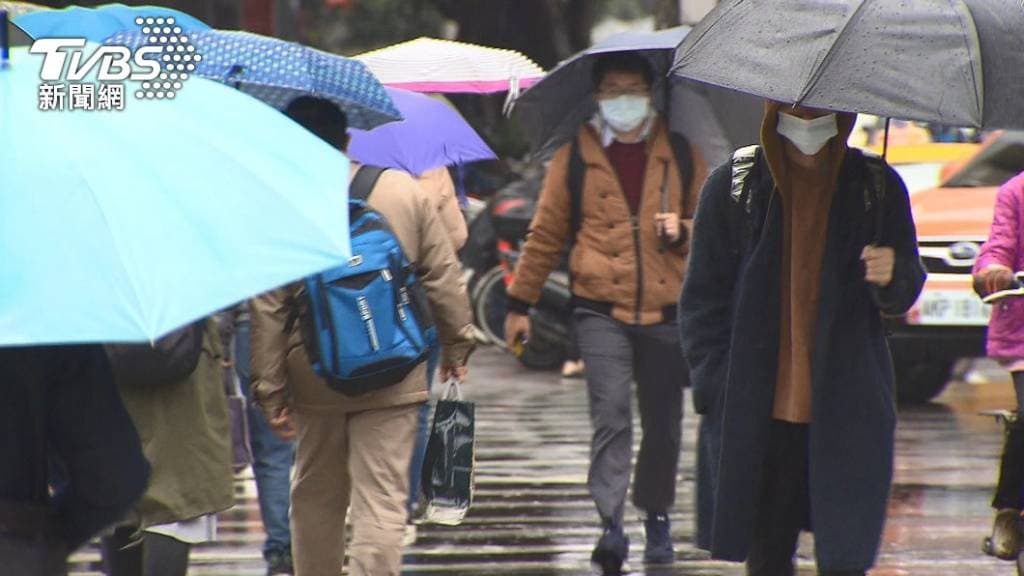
pixel 954 62
pixel 714 119
pixel 16 36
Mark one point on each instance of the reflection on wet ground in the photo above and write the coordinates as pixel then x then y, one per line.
pixel 533 517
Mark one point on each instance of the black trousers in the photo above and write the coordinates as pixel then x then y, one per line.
pixel 61 409
pixel 1010 490
pixel 785 508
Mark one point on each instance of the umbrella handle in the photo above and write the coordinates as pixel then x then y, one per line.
pixel 5 44
pixel 879 211
pixel 235 71
pixel 513 95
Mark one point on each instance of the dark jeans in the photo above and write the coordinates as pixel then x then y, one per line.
pixel 272 459
pixel 1010 490
pixel 419 451
pixel 785 508
pixel 616 355
pixel 61 404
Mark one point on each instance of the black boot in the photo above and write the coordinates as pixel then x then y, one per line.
pixel 165 556
pixel 1011 468
pixel 122 552
pixel 1006 534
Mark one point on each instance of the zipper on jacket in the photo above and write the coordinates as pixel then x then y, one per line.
pixel 634 222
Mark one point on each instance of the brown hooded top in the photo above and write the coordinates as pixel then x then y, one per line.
pixel 806 196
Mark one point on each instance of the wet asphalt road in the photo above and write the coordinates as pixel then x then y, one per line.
pixel 532 514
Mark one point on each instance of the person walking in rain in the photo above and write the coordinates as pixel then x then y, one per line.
pixel 627 261
pixel 182 417
pixel 61 406
pixel 356 449
pixel 799 246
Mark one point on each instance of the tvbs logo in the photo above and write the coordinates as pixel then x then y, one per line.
pixel 65 60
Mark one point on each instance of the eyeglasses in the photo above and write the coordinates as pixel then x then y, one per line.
pixel 609 93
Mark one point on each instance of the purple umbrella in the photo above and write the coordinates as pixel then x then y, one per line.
pixel 431 135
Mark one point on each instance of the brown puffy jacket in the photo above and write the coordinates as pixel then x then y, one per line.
pixel 281 370
pixel 618 264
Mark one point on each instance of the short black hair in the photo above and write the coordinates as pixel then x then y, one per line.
pixel 632 62
pixel 321 117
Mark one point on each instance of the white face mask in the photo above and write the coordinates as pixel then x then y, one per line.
pixel 625 113
pixel 809 136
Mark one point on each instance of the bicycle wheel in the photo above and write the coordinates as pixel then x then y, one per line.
pixel 489 304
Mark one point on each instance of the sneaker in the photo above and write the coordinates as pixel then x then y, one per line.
pixel 611 551
pixel 1006 540
pixel 280 563
pixel 658 549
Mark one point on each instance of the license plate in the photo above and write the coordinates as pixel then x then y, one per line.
pixel 952 308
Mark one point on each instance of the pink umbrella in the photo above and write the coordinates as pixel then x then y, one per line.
pixel 432 65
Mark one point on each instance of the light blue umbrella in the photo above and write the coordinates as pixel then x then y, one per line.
pixel 123 225
pixel 276 71
pixel 98 24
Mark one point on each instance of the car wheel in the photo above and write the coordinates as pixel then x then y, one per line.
pixel 920 381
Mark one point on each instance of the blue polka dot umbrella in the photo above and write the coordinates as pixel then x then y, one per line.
pixel 96 24
pixel 275 71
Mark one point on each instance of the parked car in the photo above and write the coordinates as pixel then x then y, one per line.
pixel 948 321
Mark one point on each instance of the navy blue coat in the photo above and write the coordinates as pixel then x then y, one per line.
pixel 729 317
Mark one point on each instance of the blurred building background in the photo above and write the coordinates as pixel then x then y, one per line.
pixel 545 30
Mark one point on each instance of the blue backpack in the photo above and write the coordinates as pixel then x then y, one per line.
pixel 366 324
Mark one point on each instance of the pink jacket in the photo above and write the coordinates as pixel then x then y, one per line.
pixel 1005 247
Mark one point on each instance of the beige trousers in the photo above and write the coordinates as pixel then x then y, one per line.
pixel 359 459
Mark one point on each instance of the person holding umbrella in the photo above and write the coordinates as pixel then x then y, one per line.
pixel 144 244
pixel 61 405
pixel 799 246
pixel 629 254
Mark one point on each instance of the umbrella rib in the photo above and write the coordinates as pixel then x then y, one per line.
pixel 832 51
pixel 718 15
pixel 977 75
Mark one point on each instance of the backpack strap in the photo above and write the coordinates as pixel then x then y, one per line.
pixel 574 182
pixel 743 162
pixel 364 182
